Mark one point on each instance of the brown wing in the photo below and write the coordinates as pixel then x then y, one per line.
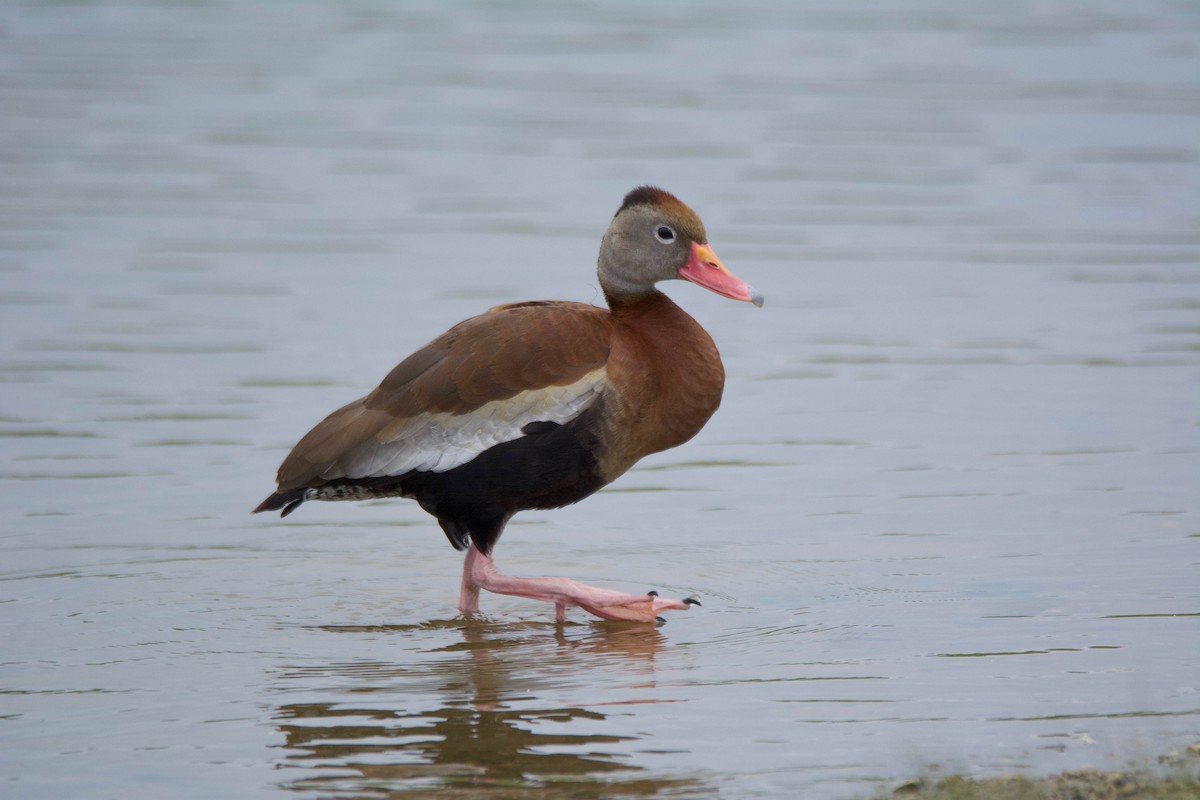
pixel 473 387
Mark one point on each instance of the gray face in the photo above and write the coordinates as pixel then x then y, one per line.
pixel 647 243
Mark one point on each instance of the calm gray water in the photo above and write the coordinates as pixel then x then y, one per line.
pixel 947 517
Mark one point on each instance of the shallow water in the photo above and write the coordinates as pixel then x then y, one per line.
pixel 947 514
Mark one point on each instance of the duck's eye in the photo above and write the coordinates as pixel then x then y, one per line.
pixel 664 234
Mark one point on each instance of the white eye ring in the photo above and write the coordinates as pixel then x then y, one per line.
pixel 664 234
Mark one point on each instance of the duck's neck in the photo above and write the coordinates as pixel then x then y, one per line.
pixel 651 309
pixel 678 379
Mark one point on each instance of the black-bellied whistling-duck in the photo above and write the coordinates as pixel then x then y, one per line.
pixel 536 405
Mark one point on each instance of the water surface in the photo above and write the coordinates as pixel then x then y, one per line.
pixel 947 514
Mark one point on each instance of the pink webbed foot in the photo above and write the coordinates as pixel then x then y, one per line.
pixel 639 608
pixel 479 572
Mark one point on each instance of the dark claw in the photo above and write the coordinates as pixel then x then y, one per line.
pixel 691 601
pixel 652 593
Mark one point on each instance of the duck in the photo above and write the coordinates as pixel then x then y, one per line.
pixel 536 405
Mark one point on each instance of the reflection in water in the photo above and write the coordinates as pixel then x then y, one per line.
pixel 469 715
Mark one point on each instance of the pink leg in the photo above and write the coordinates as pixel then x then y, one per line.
pixel 468 595
pixel 479 572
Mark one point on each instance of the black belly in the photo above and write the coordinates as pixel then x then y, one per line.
pixel 550 466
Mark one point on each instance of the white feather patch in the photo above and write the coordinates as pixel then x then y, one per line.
pixel 438 442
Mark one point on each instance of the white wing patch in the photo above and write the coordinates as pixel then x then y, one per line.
pixel 437 442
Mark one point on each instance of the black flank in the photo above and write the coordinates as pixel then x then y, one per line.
pixel 551 466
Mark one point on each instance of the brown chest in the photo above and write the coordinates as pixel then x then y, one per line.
pixel 666 382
